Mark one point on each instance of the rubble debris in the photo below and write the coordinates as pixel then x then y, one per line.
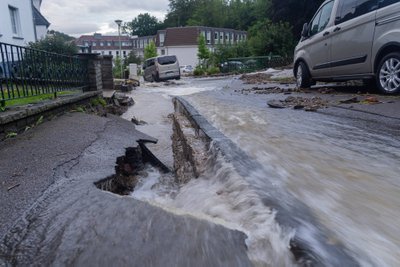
pixel 350 100
pixel 137 121
pixel 371 100
pixel 275 104
pixel 307 104
pixel 257 78
pixel 326 90
pixel 120 99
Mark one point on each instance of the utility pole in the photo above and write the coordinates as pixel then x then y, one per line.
pixel 118 21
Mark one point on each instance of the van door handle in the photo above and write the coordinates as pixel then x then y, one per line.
pixel 325 34
pixel 336 29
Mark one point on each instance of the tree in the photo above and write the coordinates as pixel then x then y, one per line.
pixel 180 11
pixel 131 58
pixel 223 52
pixel 117 68
pixel 203 53
pixel 55 44
pixel 142 25
pixel 295 12
pixel 266 37
pixel 150 50
pixel 63 36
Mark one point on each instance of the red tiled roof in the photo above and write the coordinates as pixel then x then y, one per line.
pixel 101 38
pixel 181 36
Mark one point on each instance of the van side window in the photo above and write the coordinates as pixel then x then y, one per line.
pixel 321 19
pixel 351 9
pixel 383 3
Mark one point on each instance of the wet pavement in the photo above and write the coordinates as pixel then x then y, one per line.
pixel 341 162
pixel 62 219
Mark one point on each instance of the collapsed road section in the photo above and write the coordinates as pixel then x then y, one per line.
pixel 309 242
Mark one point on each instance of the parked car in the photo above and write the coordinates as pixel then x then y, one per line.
pixel 351 39
pixel 231 66
pixel 186 69
pixel 161 68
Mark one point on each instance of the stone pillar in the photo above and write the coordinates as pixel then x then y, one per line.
pixel 94 72
pixel 106 72
pixel 133 71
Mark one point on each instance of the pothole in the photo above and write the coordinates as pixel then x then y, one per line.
pixel 130 169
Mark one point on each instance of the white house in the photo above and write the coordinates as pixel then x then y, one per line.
pixel 41 23
pixel 18 20
pixel 183 41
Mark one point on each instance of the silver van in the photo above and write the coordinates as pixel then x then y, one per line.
pixel 161 68
pixel 351 39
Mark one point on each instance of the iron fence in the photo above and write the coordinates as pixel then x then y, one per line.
pixel 249 64
pixel 26 72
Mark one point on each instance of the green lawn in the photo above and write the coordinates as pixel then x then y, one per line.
pixel 35 99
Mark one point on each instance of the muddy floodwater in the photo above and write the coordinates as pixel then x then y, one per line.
pixel 346 171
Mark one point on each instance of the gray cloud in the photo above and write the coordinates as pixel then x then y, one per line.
pixel 88 16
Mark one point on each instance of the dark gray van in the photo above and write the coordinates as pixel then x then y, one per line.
pixel 161 68
pixel 351 39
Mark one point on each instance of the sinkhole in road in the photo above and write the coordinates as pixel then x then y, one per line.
pixel 130 168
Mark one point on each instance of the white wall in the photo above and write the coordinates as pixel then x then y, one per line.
pixel 187 55
pixel 41 31
pixel 27 31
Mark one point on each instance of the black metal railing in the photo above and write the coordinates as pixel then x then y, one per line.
pixel 26 72
pixel 249 64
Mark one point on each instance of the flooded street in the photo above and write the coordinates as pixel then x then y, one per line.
pixel 346 171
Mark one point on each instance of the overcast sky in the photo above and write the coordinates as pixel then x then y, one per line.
pixel 87 16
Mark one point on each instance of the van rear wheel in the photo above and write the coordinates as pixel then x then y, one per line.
pixel 388 74
pixel 303 78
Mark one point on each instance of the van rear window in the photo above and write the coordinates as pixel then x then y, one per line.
pixel 166 60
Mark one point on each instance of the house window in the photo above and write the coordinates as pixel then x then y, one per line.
pixel 102 52
pixel 101 44
pixel 86 43
pixel 216 37
pixel 108 43
pixel 117 53
pixel 15 22
pixel 94 43
pixel 110 53
pixel 208 39
pixel 124 53
pixel 162 52
pixel 162 38
pixel 221 37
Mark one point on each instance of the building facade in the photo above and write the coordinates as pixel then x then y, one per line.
pixel 183 41
pixel 105 44
pixel 21 22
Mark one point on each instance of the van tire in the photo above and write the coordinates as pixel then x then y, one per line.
pixel 303 77
pixel 388 74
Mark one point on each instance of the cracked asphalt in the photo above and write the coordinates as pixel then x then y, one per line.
pixel 56 215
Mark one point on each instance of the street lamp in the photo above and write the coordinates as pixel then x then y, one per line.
pixel 118 21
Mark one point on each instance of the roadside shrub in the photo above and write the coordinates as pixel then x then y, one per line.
pixel 213 70
pixel 198 71
pixel 98 101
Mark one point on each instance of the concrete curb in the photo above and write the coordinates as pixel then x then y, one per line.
pixel 310 244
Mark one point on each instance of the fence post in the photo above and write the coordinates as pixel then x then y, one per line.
pixel 94 71
pixel 106 72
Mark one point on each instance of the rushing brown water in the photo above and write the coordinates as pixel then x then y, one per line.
pixel 345 171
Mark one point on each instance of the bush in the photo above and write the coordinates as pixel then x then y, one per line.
pixel 213 70
pixel 198 71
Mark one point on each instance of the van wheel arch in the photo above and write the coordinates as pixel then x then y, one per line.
pixel 385 50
